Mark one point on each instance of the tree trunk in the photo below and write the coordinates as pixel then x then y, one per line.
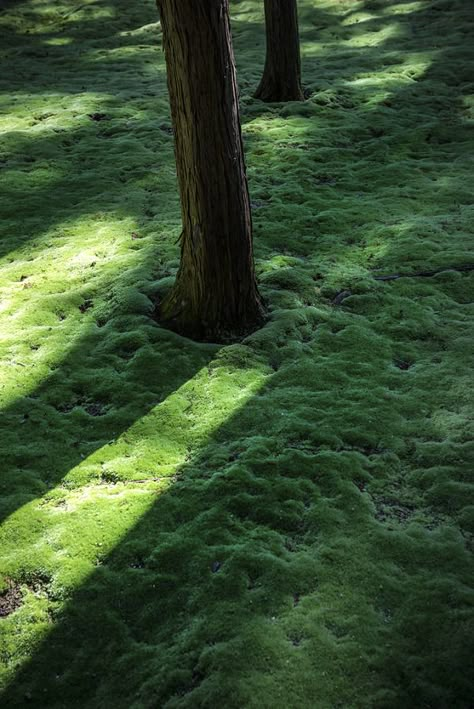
pixel 281 80
pixel 215 296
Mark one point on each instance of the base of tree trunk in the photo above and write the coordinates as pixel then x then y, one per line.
pixel 272 93
pixel 281 79
pixel 203 323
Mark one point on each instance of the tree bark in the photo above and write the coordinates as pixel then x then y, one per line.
pixel 215 296
pixel 281 80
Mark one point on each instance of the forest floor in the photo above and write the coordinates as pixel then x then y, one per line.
pixel 283 522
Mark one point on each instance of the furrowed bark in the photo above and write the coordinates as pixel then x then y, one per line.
pixel 215 295
pixel 281 80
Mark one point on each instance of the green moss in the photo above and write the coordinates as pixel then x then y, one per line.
pixel 282 522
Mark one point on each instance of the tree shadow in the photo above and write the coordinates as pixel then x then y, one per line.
pixel 224 589
pixel 221 562
pixel 226 584
pixel 111 376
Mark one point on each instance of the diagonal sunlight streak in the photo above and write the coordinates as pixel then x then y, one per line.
pixel 41 298
pixel 103 497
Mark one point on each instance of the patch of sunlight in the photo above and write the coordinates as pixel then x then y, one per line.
pixel 72 528
pixel 468 106
pixel 373 39
pixel 159 443
pixel 356 18
pixel 331 5
pixel 47 16
pixel 42 289
pixel 153 28
pixel 58 41
pixel 310 48
pixel 248 9
pixel 404 8
pixel 279 261
pixel 116 53
pixel 346 272
pixel 361 16
pixel 22 114
pixel 274 125
pixel 413 67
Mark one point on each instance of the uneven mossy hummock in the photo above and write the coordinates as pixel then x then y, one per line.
pixel 284 522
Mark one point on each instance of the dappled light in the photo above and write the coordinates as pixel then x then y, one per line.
pixel 285 520
pixel 107 492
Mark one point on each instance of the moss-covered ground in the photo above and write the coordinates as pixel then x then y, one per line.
pixel 283 522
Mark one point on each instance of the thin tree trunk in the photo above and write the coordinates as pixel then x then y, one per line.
pixel 281 80
pixel 215 295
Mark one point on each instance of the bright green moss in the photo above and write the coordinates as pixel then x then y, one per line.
pixel 282 522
